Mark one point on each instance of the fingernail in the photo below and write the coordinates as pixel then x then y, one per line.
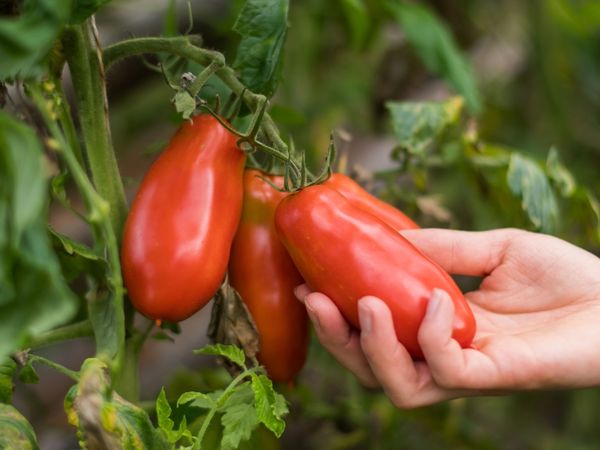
pixel 365 317
pixel 297 293
pixel 309 302
pixel 435 301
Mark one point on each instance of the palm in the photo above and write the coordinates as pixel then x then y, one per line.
pixel 535 305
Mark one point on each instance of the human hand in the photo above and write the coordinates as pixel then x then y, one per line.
pixel 537 311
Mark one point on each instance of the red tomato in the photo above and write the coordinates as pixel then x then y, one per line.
pixel 362 199
pixel 347 253
pixel 179 230
pixel 264 275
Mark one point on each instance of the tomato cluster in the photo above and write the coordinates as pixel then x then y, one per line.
pixel 198 214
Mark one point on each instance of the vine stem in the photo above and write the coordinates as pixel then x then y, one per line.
pixel 58 367
pixel 183 47
pixel 98 215
pixel 234 383
pixel 73 331
pixel 87 72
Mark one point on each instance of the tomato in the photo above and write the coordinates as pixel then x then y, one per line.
pixel 264 275
pixel 362 199
pixel 179 231
pixel 347 253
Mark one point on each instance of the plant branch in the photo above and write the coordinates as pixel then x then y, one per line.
pixel 58 367
pixel 98 215
pixel 73 331
pixel 87 72
pixel 182 46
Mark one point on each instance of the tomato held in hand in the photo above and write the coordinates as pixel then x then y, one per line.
pixel 179 231
pixel 361 198
pixel 264 275
pixel 347 253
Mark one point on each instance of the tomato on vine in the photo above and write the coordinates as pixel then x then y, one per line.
pixel 180 227
pixel 265 276
pixel 347 253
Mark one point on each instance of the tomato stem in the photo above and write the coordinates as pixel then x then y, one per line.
pixel 58 367
pixel 87 72
pixel 183 46
pixel 98 216
pixel 72 331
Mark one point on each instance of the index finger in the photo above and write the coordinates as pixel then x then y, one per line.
pixel 475 253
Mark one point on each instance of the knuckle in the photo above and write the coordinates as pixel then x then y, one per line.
pixel 448 379
pixel 403 402
pixel 368 382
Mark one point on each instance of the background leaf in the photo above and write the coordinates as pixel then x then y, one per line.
pixel 418 125
pixel 82 9
pixel 526 179
pixel 357 17
pixel 436 46
pixel 26 40
pixel 33 294
pixel 263 26
pixel 15 431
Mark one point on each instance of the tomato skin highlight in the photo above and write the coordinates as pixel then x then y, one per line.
pixel 265 276
pixel 359 197
pixel 182 222
pixel 347 253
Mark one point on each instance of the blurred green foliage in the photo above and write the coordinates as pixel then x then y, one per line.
pixel 534 78
pixel 531 159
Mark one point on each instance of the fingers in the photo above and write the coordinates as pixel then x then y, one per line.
pixel 406 383
pixel 338 337
pixel 463 252
pixel 451 366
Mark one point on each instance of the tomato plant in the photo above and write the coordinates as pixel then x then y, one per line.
pixel 347 253
pixel 182 221
pixel 82 105
pixel 264 275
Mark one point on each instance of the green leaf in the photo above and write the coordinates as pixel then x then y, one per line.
pixel 170 19
pixel 231 352
pixel 33 294
pixel 58 186
pixel 594 206
pixel 15 431
pixel 184 104
pixel 82 9
pixel 263 27
pixel 418 125
pixel 76 258
pixel 435 45
pixel 101 415
pixel 26 40
pixel 357 17
pixel 238 423
pixel 239 418
pixel 7 370
pixel 27 374
pixel 489 155
pixel 102 314
pixel 269 408
pixel 163 412
pixel 559 174
pixel 199 399
pixel 527 180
